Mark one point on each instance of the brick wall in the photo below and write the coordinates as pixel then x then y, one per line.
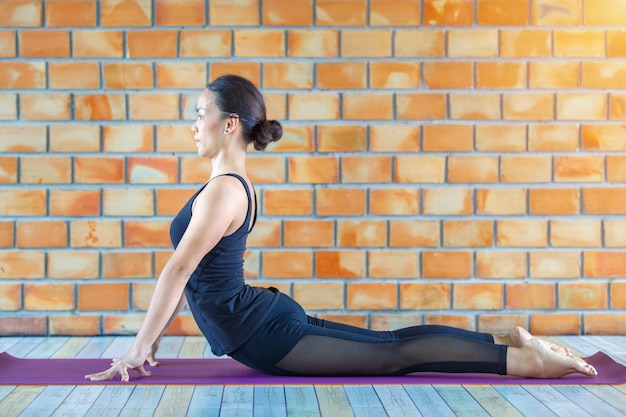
pixel 444 161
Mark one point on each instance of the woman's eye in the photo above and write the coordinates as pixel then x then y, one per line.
pixel 200 116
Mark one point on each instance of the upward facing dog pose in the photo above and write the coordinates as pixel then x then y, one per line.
pixel 267 330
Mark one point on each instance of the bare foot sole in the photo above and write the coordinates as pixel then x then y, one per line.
pixel 550 364
pixel 518 337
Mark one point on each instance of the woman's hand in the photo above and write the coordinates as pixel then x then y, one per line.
pixel 121 367
pixel 153 350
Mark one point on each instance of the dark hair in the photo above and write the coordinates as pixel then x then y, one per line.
pixel 234 94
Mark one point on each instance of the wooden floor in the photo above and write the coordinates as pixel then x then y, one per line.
pixel 307 400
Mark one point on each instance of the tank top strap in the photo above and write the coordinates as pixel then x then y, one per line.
pixel 249 194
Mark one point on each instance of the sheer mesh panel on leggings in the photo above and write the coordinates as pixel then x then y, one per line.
pixel 327 355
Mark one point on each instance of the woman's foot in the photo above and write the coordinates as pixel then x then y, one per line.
pixel 537 360
pixel 518 337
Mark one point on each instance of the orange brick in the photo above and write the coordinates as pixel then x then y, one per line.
pixel 8 106
pixel 583 296
pixel 474 296
pixel 603 137
pixel 475 43
pixel 180 12
pixel 501 201
pixel 555 12
pixel 501 75
pixel 615 171
pixel 501 265
pixel 522 43
pixel 74 202
pixel 295 139
pixel 448 75
pixel 446 265
pixel 298 13
pixel 618 295
pixel 394 201
pixel 99 170
pixel 7 43
pixel 287 202
pixel 394 75
pixel 518 169
pixel 8 170
pixel 42 234
pixel 128 202
pixel 197 170
pixel 569 233
pixel 181 75
pixel 467 233
pixel 616 43
pixel 343 138
pixel 70 13
pixel 269 170
pixel 394 13
pixel 553 138
pixel 313 106
pixel 500 138
pixel 170 200
pixel 578 168
pixel 288 75
pixel 148 233
pixel 174 138
pixel 249 70
pixel 464 106
pixel 605 324
pixel 366 169
pixel 421 106
pixel 95 233
pixel 414 233
pixel 160 259
pixel 227 13
pixel 448 138
pixel 343 12
pixel 22 75
pixel 614 233
pixel 23 326
pixel 154 106
pixel 22 265
pixel 287 264
pixel 97 44
pixel 127 75
pixel 204 43
pixel 313 43
pixel 126 13
pixel 339 201
pixel 73 75
pixel 11 297
pixel 313 169
pixel 394 138
pixel 107 297
pixel 127 138
pixel 45 170
pixel 448 13
pixel 53 297
pixel 500 323
pixel 372 296
pixel 44 43
pixel 604 264
pixel 552 201
pixel 340 264
pixel 604 200
pixel 366 44
pixel 555 324
pixel 361 233
pixel 99 107
pixel 459 321
pixel 551 75
pixel 152 44
pixel 555 264
pixel 73 264
pixel 604 12
pixel 617 106
pixel 522 233
pixel 502 13
pixel 603 75
pixel 425 296
pixel 266 233
pixel 45 106
pixel 419 169
pixel 308 233
pixel 7 232
pixel 74 325
pixel 25 202
pixel 252 269
pixel 259 43
pixel 21 13
pixel 393 264
pixel 127 265
pixel 447 201
pixel 319 295
pixel 472 169
pixel 579 43
pixel 419 43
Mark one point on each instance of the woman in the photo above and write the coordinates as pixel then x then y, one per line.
pixel 267 330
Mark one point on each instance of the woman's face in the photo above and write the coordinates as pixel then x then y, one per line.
pixel 209 126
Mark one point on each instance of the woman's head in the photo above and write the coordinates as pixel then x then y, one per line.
pixel 237 97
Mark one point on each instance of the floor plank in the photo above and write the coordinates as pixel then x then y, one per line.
pixel 174 401
pixel 556 401
pixel 237 401
pixel 143 401
pixel 270 401
pixel 206 401
pixel 519 398
pixel 396 401
pixel 111 401
pixel 79 401
pixel 428 401
pixel 491 400
pixel 588 402
pixel 333 401
pixel 47 401
pixel 14 403
pixel 460 401
pixel 364 401
pixel 301 401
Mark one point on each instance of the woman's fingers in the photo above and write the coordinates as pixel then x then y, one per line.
pixel 117 367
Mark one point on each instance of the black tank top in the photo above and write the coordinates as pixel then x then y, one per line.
pixel 226 309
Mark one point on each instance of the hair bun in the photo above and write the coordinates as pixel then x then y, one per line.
pixel 266 132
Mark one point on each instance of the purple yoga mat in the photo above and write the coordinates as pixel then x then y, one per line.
pixel 15 371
